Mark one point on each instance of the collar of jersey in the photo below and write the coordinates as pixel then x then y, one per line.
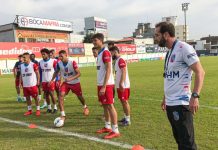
pixel 101 51
pixel 26 64
pixel 46 60
pixel 65 64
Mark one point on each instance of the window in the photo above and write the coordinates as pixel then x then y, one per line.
pixel 21 39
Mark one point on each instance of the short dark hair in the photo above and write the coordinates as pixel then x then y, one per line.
pixel 26 53
pixel 52 51
pixel 45 50
pixel 62 52
pixel 20 56
pixel 166 27
pixel 33 55
pixel 111 43
pixel 99 36
pixel 114 48
pixel 94 48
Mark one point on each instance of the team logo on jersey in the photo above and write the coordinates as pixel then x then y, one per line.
pixel 176 115
pixel 172 58
pixel 66 69
pixel 45 65
pixel 191 55
pixel 26 69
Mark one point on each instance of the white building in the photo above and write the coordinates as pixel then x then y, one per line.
pixel 96 25
pixel 179 29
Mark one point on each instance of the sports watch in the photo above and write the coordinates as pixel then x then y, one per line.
pixel 195 95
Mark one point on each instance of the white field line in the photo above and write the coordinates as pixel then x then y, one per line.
pixel 73 134
pixel 147 99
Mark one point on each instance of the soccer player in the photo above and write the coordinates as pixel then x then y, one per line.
pixel 16 71
pixel 47 66
pixel 178 100
pixel 122 83
pixel 57 79
pixel 105 84
pixel 70 73
pixel 33 59
pixel 110 44
pixel 30 79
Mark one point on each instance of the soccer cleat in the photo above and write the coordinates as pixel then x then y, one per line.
pixel 122 120
pixel 38 113
pixel 49 111
pixel 43 106
pixel 54 111
pixel 23 99
pixel 19 99
pixel 104 130
pixel 29 112
pixel 112 135
pixel 126 123
pixel 86 111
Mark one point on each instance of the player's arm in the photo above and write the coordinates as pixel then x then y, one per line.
pixel 20 80
pixel 198 84
pixel 36 70
pixel 163 104
pixel 122 65
pixel 15 70
pixel 57 70
pixel 78 74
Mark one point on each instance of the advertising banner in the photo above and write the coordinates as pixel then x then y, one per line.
pixel 39 23
pixel 76 49
pixel 127 48
pixel 12 50
pixel 140 49
pixel 101 25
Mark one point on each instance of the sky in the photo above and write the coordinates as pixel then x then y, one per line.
pixel 122 15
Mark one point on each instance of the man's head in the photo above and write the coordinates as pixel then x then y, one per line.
pixel 32 57
pixel 63 55
pixel 52 53
pixel 164 32
pixel 110 44
pixel 26 58
pixel 95 51
pixel 115 53
pixel 45 53
pixel 98 40
pixel 20 58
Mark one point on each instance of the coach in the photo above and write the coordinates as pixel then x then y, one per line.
pixel 179 102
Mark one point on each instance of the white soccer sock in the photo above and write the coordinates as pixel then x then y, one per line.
pixel 45 103
pixel 29 108
pixel 39 97
pixel 62 113
pixel 127 118
pixel 85 106
pixel 24 98
pixel 37 107
pixel 115 128
pixel 49 106
pixel 107 125
pixel 55 107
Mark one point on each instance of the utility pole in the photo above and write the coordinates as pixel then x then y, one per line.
pixel 185 8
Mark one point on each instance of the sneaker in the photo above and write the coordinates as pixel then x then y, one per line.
pixel 43 106
pixel 126 123
pixel 86 111
pixel 49 111
pixel 122 120
pixel 19 99
pixel 29 112
pixel 23 99
pixel 54 111
pixel 104 130
pixel 38 113
pixel 112 135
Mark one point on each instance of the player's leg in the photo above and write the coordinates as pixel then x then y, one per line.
pixel 61 104
pixel 29 106
pixel 19 99
pixel 47 96
pixel 51 93
pixel 34 94
pixel 126 109
pixel 76 88
pixel 39 91
pixel 113 115
pixel 44 101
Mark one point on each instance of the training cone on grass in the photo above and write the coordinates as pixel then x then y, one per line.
pixel 32 126
pixel 138 147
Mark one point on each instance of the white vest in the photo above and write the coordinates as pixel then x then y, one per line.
pixel 68 71
pixel 28 75
pixel 47 69
pixel 118 72
pixel 101 70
